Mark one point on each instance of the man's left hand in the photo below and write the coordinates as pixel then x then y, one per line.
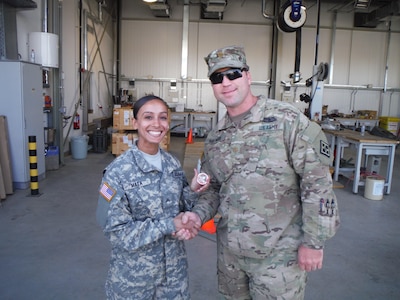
pixel 310 259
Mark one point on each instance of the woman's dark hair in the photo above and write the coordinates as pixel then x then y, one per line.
pixel 142 101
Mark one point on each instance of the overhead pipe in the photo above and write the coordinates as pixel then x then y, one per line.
pixel 84 83
pixel 387 56
pixel 84 40
pixel 315 106
pixel 45 28
pixel 45 16
pixel 117 46
pixel 185 40
pixel 265 14
pixel 84 34
pixel 274 45
pixel 84 80
pixel 58 100
pixel 185 47
pixel 317 34
pixel 100 11
pixel 386 68
pixel 296 74
pixel 333 42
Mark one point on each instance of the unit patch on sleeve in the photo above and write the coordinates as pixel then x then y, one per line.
pixel 107 192
pixel 325 148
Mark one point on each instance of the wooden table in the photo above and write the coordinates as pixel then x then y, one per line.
pixel 366 144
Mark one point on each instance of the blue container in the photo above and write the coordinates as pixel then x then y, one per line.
pixel 52 159
pixel 52 151
pixel 79 146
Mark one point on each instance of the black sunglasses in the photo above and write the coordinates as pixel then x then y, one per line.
pixel 232 74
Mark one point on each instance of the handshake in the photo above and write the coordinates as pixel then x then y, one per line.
pixel 187 225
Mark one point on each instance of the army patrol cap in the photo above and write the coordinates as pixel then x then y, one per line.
pixel 227 57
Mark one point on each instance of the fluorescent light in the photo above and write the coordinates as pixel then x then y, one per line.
pixel 362 3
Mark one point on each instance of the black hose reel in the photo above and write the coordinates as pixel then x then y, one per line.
pixel 291 18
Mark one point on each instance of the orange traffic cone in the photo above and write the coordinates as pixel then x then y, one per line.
pixel 209 227
pixel 189 139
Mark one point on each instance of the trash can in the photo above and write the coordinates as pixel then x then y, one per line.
pixel 374 188
pixel 79 146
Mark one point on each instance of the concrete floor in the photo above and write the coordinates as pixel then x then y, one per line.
pixel 51 247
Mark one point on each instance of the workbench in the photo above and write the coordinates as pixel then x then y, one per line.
pixel 203 119
pixel 181 120
pixel 365 144
pixel 188 120
pixel 355 123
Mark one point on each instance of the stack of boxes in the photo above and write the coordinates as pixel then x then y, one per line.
pixel 124 135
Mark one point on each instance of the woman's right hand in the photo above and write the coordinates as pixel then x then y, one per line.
pixel 187 226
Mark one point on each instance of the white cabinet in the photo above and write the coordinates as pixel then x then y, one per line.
pixel 21 101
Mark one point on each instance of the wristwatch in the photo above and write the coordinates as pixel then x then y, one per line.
pixel 315 247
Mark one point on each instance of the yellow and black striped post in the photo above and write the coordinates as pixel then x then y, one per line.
pixel 33 166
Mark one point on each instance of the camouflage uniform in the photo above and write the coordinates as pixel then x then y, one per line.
pixel 272 187
pixel 136 208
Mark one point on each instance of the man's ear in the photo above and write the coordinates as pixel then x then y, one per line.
pixel 248 77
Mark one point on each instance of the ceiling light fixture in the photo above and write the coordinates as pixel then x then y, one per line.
pixel 361 3
pixel 150 1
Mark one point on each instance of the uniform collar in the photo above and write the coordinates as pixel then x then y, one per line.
pixel 256 114
pixel 168 164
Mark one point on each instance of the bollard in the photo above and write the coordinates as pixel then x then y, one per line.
pixel 33 171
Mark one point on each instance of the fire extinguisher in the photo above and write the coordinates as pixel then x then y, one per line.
pixel 77 123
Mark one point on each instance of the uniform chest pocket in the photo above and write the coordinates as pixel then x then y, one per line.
pixel 260 150
pixel 171 191
pixel 220 159
pixel 144 201
pixel 265 150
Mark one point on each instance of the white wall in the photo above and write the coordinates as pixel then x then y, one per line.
pixel 101 59
pixel 151 48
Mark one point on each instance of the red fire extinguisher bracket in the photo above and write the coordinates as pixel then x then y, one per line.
pixel 77 122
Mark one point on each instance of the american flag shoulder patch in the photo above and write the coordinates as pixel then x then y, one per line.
pixel 107 192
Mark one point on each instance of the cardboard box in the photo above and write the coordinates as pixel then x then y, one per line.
pixel 367 114
pixel 123 118
pixel 121 142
